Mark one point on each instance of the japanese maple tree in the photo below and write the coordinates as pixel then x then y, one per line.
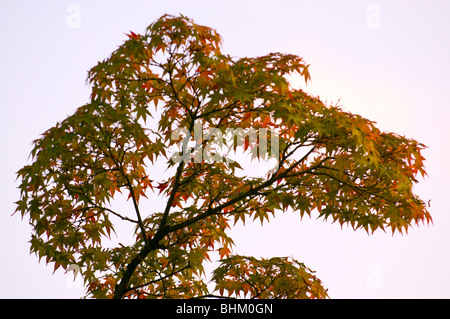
pixel 329 163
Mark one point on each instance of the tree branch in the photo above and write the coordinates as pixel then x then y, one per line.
pixel 136 208
pixel 251 192
pixel 173 272
pixel 217 209
pixel 121 288
pixel 176 184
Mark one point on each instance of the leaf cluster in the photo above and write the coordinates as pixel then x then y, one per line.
pixel 329 162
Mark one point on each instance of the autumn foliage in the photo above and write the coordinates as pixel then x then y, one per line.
pixel 331 163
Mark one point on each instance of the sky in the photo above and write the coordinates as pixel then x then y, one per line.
pixel 385 60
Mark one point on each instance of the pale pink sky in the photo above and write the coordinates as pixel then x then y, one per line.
pixel 386 60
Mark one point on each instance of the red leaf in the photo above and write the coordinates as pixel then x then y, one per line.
pixel 246 116
pixel 162 186
pixel 246 143
pixel 133 35
pixel 176 203
pixel 290 95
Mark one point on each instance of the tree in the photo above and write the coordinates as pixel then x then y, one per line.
pixel 207 106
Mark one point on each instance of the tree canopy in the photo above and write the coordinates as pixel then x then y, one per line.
pixel 206 105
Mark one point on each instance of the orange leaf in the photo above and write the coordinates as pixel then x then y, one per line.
pixel 224 252
pixel 246 116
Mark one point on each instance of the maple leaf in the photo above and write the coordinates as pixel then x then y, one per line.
pixel 133 35
pixel 162 186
